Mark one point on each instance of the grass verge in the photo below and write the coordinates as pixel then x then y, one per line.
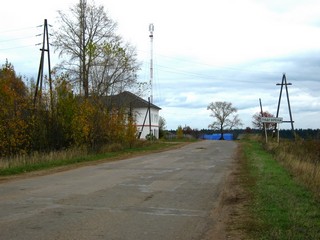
pixel 38 162
pixel 301 158
pixel 280 207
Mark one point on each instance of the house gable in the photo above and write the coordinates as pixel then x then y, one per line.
pixel 139 107
pixel 128 100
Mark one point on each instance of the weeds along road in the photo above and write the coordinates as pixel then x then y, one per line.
pixel 167 195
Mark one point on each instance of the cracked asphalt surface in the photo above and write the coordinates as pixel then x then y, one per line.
pixel 167 195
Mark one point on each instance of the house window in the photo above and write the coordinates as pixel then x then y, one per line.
pixel 154 118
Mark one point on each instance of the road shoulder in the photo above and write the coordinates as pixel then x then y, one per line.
pixel 229 213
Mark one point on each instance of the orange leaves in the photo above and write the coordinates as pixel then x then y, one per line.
pixel 72 120
pixel 14 137
pixel 94 126
pixel 131 131
pixel 82 123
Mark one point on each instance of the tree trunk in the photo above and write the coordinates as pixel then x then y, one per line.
pixel 221 133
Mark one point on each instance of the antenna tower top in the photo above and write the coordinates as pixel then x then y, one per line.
pixel 151 29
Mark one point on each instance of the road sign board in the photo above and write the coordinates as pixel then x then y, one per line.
pixel 271 119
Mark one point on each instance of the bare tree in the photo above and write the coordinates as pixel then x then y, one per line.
pixel 225 116
pixel 257 120
pixel 93 55
pixel 114 69
pixel 162 127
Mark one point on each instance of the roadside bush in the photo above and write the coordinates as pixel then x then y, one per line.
pixel 113 147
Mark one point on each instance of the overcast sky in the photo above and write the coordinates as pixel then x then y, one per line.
pixel 204 51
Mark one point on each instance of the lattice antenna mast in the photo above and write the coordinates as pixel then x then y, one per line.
pixel 151 29
pixel 45 48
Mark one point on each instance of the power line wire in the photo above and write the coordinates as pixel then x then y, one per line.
pixel 14 39
pixel 240 68
pixel 19 47
pixel 189 74
pixel 222 71
pixel 15 30
pixel 216 66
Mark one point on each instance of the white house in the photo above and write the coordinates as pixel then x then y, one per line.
pixel 146 114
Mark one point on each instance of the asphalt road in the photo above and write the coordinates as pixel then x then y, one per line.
pixel 168 195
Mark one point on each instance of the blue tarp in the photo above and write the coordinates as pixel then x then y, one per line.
pixel 216 136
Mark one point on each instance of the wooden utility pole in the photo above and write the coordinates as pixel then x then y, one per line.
pixel 45 48
pixel 285 84
pixel 148 114
pixel 263 124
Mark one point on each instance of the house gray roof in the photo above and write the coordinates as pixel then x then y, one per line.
pixel 129 100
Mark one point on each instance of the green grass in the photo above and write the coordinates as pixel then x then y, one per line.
pixel 42 162
pixel 280 208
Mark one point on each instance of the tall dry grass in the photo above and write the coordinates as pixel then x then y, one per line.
pixel 37 157
pixel 302 159
pixel 68 155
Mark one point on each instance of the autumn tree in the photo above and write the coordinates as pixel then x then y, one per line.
pixel 98 59
pixel 66 105
pixel 256 122
pixel 14 113
pixel 179 132
pixel 187 130
pixel 89 124
pixel 225 116
pixel 131 130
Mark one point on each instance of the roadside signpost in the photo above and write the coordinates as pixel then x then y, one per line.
pixel 276 120
pixel 271 119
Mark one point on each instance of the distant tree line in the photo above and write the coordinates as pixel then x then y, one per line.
pixel 307 134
